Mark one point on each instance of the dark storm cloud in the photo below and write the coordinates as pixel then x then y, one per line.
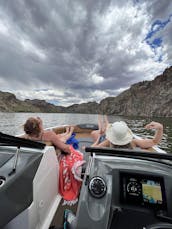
pixel 78 48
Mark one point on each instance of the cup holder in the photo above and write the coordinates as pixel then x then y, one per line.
pixel 2 181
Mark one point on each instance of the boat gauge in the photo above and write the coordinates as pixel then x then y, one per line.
pixel 97 187
pixel 134 188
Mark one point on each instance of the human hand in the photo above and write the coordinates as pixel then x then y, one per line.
pixel 154 125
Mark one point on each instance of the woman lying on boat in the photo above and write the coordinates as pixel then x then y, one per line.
pixel 70 164
pixel 34 130
pixel 119 134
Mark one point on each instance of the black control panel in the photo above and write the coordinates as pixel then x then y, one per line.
pixel 142 190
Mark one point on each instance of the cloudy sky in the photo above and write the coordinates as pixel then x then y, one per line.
pixel 75 51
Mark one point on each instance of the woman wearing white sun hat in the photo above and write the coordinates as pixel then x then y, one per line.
pixel 119 134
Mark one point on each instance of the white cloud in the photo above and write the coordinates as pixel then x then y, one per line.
pixel 98 95
pixel 96 79
pixel 43 94
pixel 28 46
pixel 3 28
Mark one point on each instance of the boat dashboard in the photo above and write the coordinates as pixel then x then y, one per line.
pixel 125 192
pixel 142 190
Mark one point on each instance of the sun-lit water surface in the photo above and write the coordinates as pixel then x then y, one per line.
pixel 12 123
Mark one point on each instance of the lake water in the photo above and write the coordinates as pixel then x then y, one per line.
pixel 11 123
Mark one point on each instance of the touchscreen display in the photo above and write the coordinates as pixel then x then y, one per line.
pixel 143 190
pixel 151 191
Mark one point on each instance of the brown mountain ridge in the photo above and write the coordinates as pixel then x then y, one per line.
pixel 147 98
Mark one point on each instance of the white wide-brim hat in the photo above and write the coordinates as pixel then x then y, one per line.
pixel 119 133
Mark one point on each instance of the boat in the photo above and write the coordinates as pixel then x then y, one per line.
pixel 121 188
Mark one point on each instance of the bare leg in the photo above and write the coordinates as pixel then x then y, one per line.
pixel 102 125
pixel 65 136
pixel 66 132
pixel 95 134
pixel 106 123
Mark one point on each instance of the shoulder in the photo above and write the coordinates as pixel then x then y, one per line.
pixel 24 136
pixel 105 143
pixel 48 135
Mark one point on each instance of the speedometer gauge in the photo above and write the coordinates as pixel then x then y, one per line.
pixel 134 188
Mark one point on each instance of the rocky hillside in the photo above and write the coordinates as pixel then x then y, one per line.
pixel 9 103
pixel 84 108
pixel 147 98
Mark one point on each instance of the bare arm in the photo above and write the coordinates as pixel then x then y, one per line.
pixel 147 143
pixel 96 142
pixel 51 136
pixel 105 143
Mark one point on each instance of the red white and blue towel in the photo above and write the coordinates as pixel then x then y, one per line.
pixel 70 176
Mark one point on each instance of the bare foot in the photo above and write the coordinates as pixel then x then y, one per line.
pixel 71 129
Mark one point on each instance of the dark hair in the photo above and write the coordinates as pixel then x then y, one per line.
pixel 31 127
